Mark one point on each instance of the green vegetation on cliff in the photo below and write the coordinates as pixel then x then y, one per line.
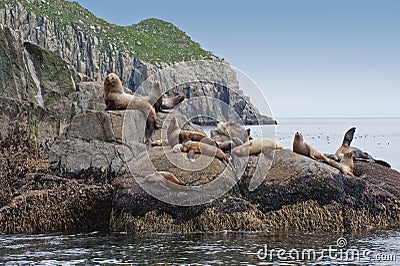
pixel 151 40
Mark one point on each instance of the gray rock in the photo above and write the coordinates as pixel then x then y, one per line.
pixel 95 58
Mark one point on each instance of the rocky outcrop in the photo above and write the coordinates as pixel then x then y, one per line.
pixel 37 89
pixel 34 201
pixel 96 183
pixel 298 193
pixel 51 204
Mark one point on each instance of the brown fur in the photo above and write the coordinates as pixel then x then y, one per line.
pixel 161 103
pixel 163 178
pixel 346 165
pixel 303 148
pixel 154 97
pixel 229 135
pixel 175 135
pixel 196 147
pixel 116 99
pixel 256 146
pixel 170 103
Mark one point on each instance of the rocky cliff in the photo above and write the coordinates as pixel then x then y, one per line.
pixel 95 48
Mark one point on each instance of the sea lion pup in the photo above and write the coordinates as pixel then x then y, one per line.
pixel 116 99
pixel 193 147
pixel 303 148
pixel 358 154
pixel 175 135
pixel 256 146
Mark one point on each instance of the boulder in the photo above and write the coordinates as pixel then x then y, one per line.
pixel 293 178
pixel 297 193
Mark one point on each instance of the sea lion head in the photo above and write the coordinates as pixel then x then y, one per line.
pixel 298 136
pixel 348 155
pixel 112 83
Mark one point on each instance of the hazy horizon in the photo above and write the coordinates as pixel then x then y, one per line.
pixel 309 58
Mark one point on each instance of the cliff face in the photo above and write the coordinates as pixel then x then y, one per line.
pixel 95 48
pixel 36 89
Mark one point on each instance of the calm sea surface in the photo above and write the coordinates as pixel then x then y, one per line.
pixel 379 137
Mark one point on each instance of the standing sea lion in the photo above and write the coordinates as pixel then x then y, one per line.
pixel 116 99
pixel 256 146
pixel 357 153
pixel 303 148
pixel 193 147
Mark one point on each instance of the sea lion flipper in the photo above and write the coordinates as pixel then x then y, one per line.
pixel 348 137
pixel 383 163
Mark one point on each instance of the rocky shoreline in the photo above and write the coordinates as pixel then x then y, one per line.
pixel 298 193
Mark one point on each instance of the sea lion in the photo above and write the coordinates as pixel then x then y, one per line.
pixel 175 135
pixel 117 99
pixel 256 146
pixel 160 103
pixel 155 96
pixel 231 130
pixel 228 145
pixel 170 103
pixel 358 154
pixel 346 165
pixel 159 142
pixel 161 177
pixel 229 135
pixel 193 147
pixel 303 148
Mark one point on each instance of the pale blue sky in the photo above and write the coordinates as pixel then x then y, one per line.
pixel 310 58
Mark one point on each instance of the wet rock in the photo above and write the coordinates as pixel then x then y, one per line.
pixel 51 204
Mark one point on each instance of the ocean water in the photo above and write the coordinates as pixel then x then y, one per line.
pixel 221 248
pixel 379 137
